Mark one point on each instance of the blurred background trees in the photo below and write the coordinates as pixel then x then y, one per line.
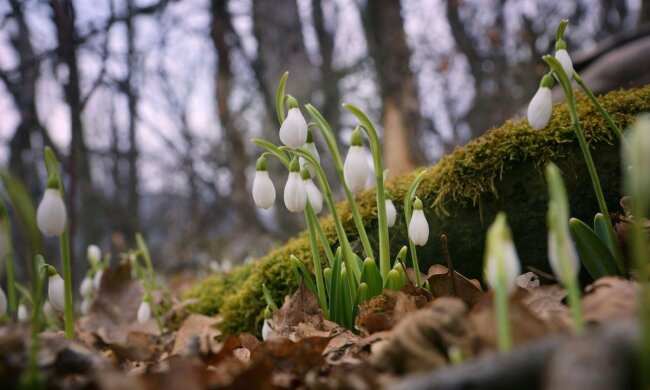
pixel 150 104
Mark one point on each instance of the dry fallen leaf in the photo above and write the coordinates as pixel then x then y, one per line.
pixel 610 298
pixel 443 285
pixel 195 327
pixel 383 311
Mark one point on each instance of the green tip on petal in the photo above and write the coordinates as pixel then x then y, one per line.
pixel 417 205
pixel 294 166
pixel 356 139
pixel 261 164
pixel 292 102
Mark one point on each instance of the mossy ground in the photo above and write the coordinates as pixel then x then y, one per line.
pixel 502 170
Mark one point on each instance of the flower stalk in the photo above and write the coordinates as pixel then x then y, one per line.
pixel 10 265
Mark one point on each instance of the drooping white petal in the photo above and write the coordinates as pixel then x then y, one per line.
pixel 48 310
pixel 295 194
pixel 314 196
pixel 419 228
pixel 563 272
pixel 263 190
pixel 85 305
pixel 86 287
pixel 3 303
pixel 540 108
pixel 355 169
pixel 391 213
pixel 23 313
pixel 293 131
pixel 97 279
pixel 563 57
pixel 51 214
pixel 144 312
pixel 94 252
pixel 266 330
pixel 56 291
pixel 311 148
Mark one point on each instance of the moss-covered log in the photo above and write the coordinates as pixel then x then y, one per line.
pixel 462 193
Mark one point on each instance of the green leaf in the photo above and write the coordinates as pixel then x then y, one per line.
pixel 279 98
pixel 393 281
pixel 336 309
pixel 594 254
pixel 346 301
pixel 600 227
pixel 362 296
pixel 273 150
pixel 304 274
pixel 371 276
pixel 268 298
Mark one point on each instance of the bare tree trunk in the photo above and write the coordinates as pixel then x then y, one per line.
pixel 401 118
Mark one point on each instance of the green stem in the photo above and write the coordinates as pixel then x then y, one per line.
pixel 325 242
pixel 610 122
pixel 310 216
pixel 10 265
pixel 375 148
pixel 348 255
pixel 32 378
pixel 640 252
pixel 408 204
pixel 575 305
pixel 330 140
pixel 503 317
pixel 144 251
pixel 67 279
pixel 573 113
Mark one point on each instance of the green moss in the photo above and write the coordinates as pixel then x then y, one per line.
pixel 462 193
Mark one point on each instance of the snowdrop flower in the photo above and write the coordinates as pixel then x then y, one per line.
pixel 144 312
pixel 56 291
pixel 23 313
pixel 85 305
pixel 266 330
pixel 94 254
pixel 541 105
pixel 636 156
pixel 560 246
pixel 97 279
pixel 293 131
pixel 51 214
pixel 86 287
pixel 501 260
pixel 355 168
pixel 263 189
pixel 295 193
pixel 48 310
pixel 226 265
pixel 418 228
pixel 313 194
pixel 391 212
pixel 310 146
pixel 3 303
pixel 563 58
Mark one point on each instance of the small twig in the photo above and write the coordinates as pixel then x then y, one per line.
pixel 450 265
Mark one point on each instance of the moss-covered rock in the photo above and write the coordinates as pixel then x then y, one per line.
pixel 462 193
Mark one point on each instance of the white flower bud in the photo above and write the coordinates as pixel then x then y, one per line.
pixel 563 273
pixel 3 303
pixel 295 193
pixel 355 169
pixel 293 131
pixel 97 279
pixel 51 214
pixel 85 305
pixel 540 108
pixel 56 291
pixel 391 213
pixel 501 261
pixel 314 195
pixel 565 60
pixel 86 287
pixel 94 253
pixel 419 228
pixel 23 313
pixel 266 330
pixel 144 312
pixel 48 310
pixel 263 190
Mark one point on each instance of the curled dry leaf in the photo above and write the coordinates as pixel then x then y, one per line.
pixel 546 302
pixel 528 281
pixel 443 285
pixel 610 298
pixel 421 340
pixel 383 311
pixel 113 314
pixel 525 325
pixel 196 328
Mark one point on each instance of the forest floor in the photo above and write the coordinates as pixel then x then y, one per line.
pixel 409 339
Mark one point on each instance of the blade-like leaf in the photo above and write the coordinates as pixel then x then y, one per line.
pixel 371 276
pixel 594 254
